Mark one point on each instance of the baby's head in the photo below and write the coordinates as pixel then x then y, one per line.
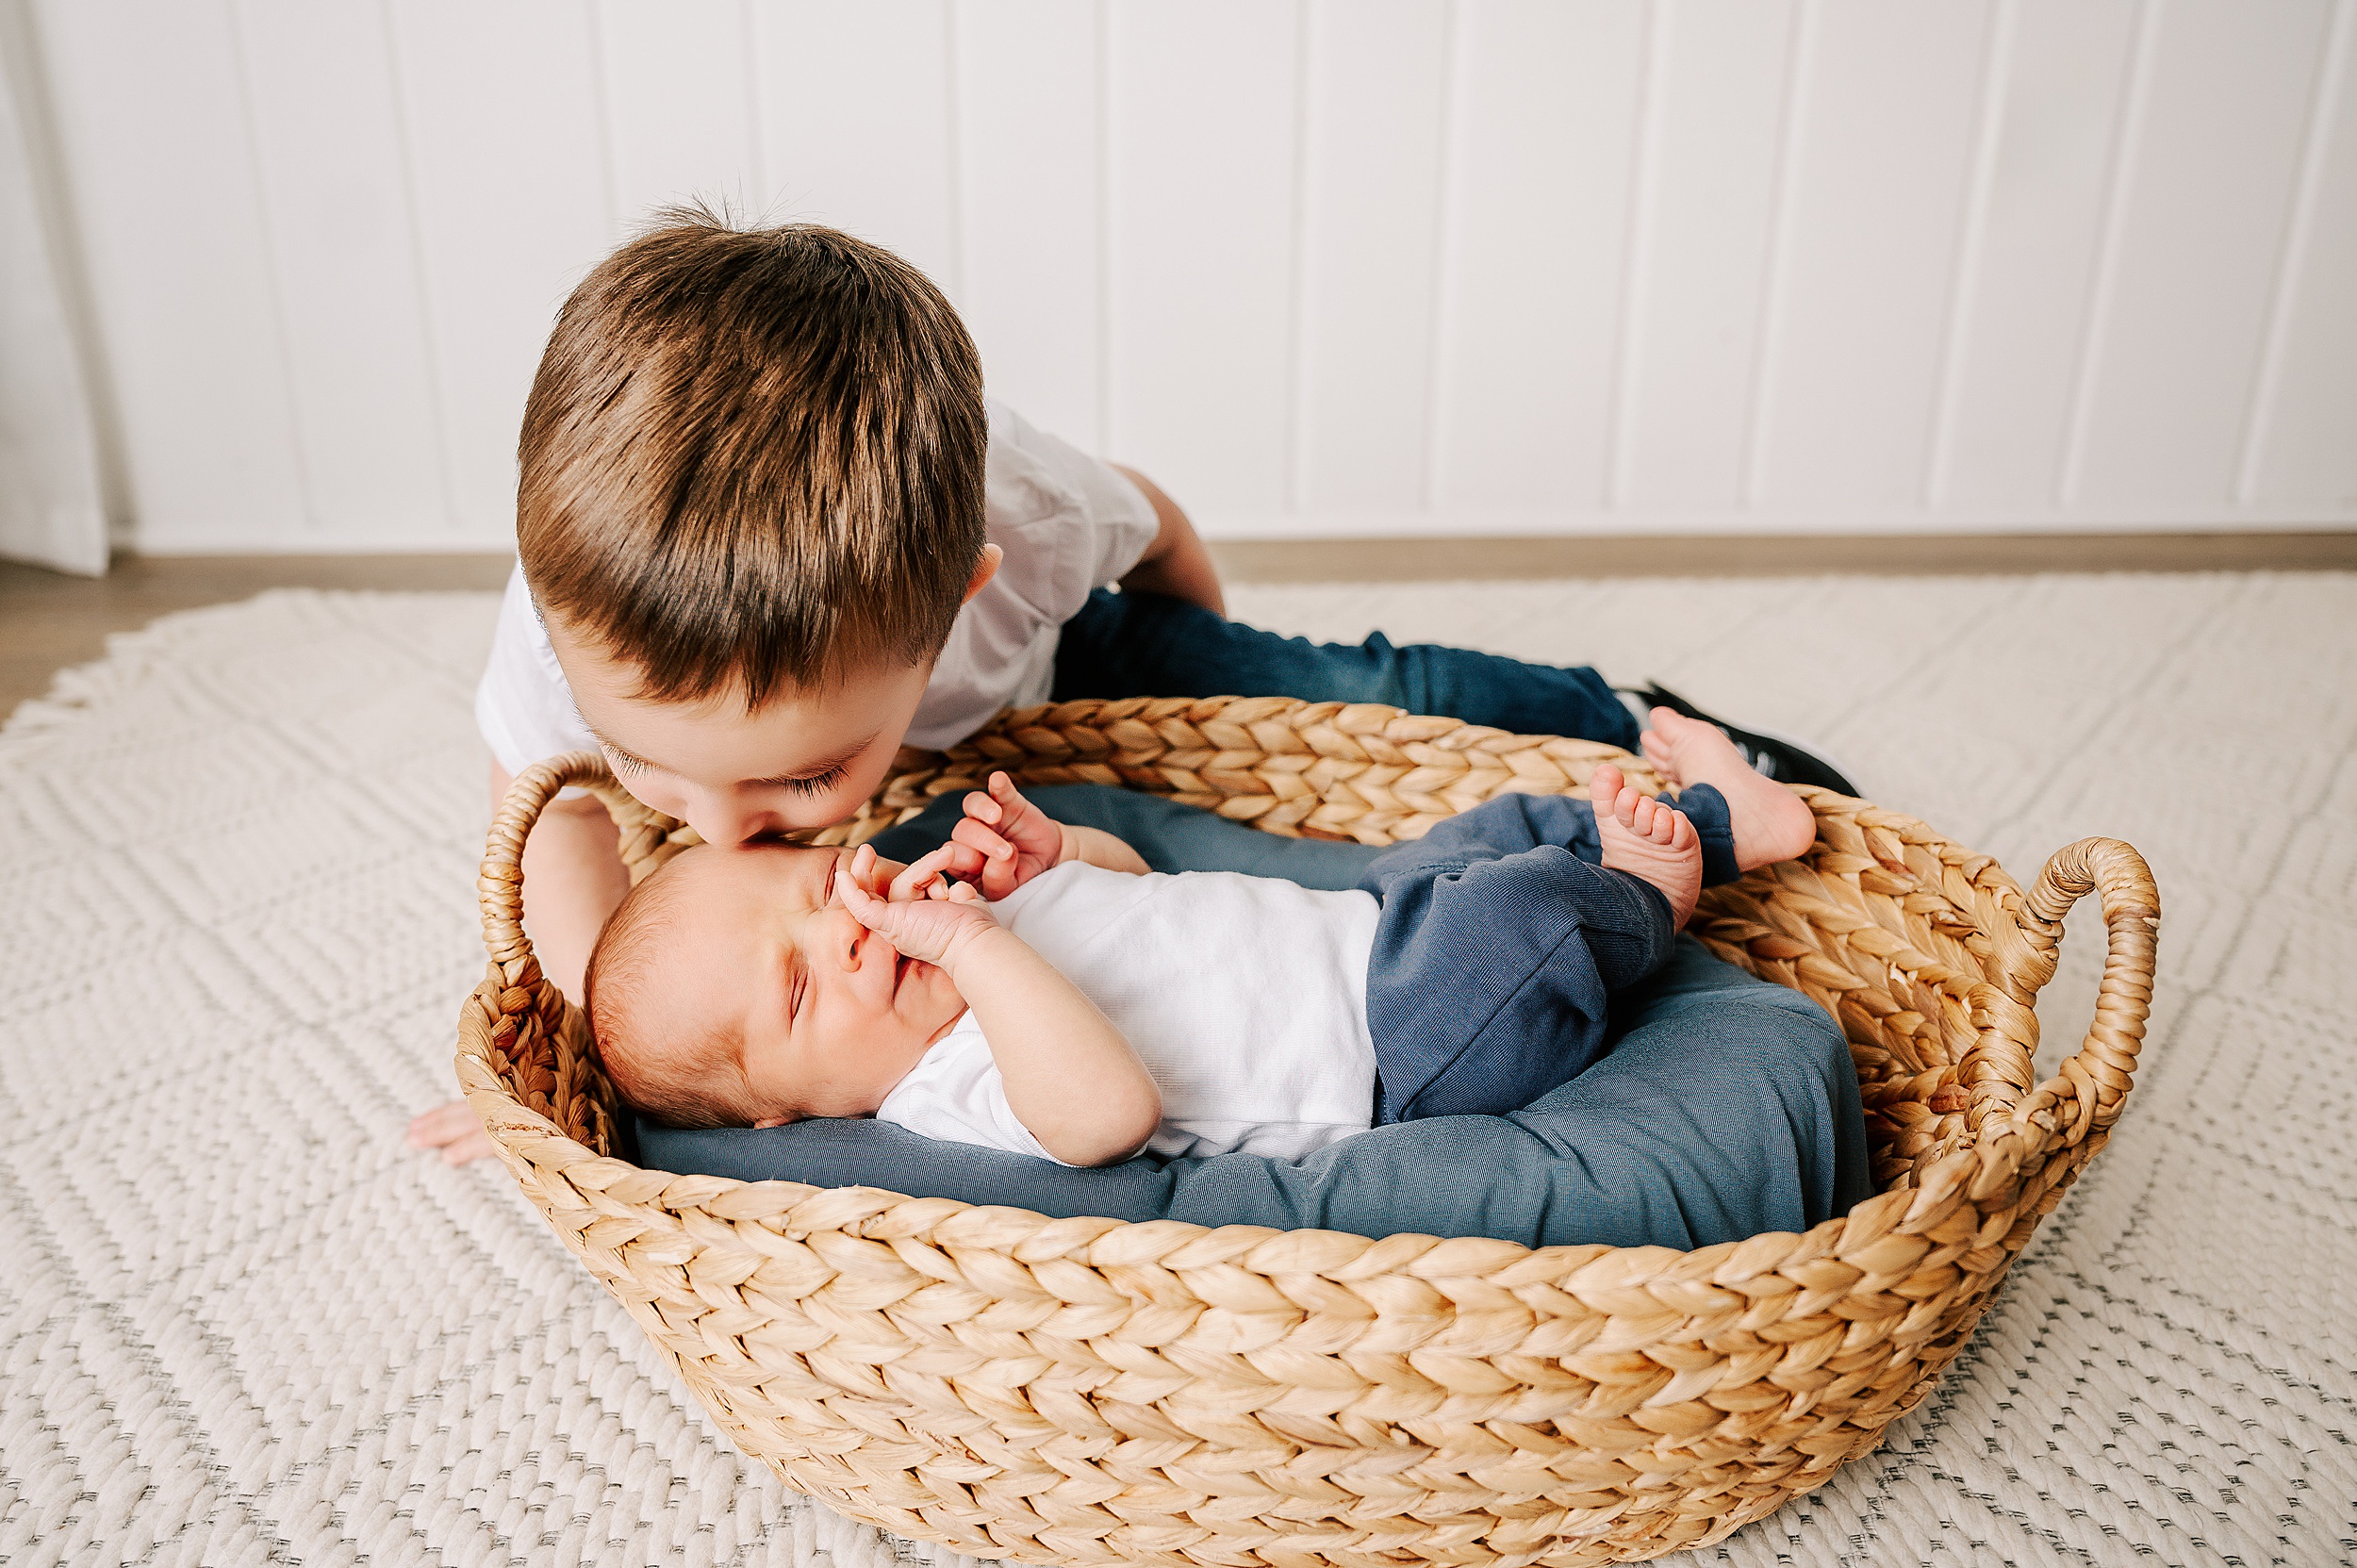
pixel 731 989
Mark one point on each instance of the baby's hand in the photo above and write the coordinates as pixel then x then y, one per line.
pixel 933 930
pixel 867 870
pixel 1003 842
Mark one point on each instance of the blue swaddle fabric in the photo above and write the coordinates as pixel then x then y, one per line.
pixel 1724 1106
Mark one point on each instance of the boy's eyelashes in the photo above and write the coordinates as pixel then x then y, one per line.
pixel 809 784
pixel 814 783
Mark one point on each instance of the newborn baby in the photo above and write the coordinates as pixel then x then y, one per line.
pixel 1032 986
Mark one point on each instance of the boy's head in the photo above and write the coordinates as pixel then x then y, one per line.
pixel 731 989
pixel 749 507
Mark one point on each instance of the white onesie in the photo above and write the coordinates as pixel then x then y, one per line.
pixel 1244 997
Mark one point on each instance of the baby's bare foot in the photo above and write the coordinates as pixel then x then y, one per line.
pixel 1648 839
pixel 1771 823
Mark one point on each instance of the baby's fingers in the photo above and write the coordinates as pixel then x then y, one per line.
pixel 867 909
pixel 987 841
pixel 1020 811
pixel 981 808
pixel 928 870
pixel 1003 808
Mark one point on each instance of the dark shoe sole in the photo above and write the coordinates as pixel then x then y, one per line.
pixel 1789 761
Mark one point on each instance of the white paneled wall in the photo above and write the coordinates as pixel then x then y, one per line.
pixel 1322 267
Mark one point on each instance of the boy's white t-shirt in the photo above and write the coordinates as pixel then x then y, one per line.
pixel 1068 523
pixel 1246 998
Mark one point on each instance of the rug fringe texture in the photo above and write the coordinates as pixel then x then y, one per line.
pixel 240 1322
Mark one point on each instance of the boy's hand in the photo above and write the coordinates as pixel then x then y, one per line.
pixel 936 930
pixel 1003 842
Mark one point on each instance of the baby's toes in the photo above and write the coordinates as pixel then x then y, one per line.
pixel 1682 834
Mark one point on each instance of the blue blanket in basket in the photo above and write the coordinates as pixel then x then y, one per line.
pixel 1724 1106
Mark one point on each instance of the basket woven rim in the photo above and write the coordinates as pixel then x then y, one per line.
pixel 2063 1108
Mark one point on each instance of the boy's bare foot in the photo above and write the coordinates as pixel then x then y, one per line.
pixel 1649 839
pixel 1771 823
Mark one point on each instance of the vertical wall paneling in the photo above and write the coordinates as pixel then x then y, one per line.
pixel 2302 443
pixel 1322 266
pixel 1201 142
pixel 1800 57
pixel 1882 151
pixel 157 153
pixel 326 139
pixel 1448 220
pixel 2204 216
pixel 855 120
pixel 1710 174
pixel 1297 258
pixel 1988 125
pixel 1370 215
pixel 1540 157
pixel 500 115
pixel 275 285
pixel 679 117
pixel 2118 180
pixel 2025 292
pixel 52 508
pixel 1987 130
pixel 1028 133
pixel 1644 186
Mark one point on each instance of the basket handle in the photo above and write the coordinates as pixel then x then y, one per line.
pixel 2099 1076
pixel 500 885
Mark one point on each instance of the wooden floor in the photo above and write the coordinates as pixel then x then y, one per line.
pixel 49 620
pixel 1805 555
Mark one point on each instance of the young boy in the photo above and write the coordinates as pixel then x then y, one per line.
pixel 770 530
pixel 1093 1008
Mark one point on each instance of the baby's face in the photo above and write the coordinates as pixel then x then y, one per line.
pixel 831 1015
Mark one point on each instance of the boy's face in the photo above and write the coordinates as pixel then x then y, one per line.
pixel 804 759
pixel 829 1015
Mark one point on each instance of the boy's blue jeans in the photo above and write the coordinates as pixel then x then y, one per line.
pixel 1150 645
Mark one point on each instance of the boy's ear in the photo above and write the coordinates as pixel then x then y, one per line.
pixel 984 570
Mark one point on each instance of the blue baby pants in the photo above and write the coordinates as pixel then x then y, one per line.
pixel 1500 943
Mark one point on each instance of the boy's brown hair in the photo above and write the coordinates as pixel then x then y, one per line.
pixel 753 456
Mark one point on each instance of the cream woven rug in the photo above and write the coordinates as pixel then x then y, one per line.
pixel 240 1323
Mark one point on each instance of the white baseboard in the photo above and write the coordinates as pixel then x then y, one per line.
pixel 1237 527
pixel 1216 523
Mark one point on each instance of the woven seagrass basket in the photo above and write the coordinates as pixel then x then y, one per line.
pixel 1087 1391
